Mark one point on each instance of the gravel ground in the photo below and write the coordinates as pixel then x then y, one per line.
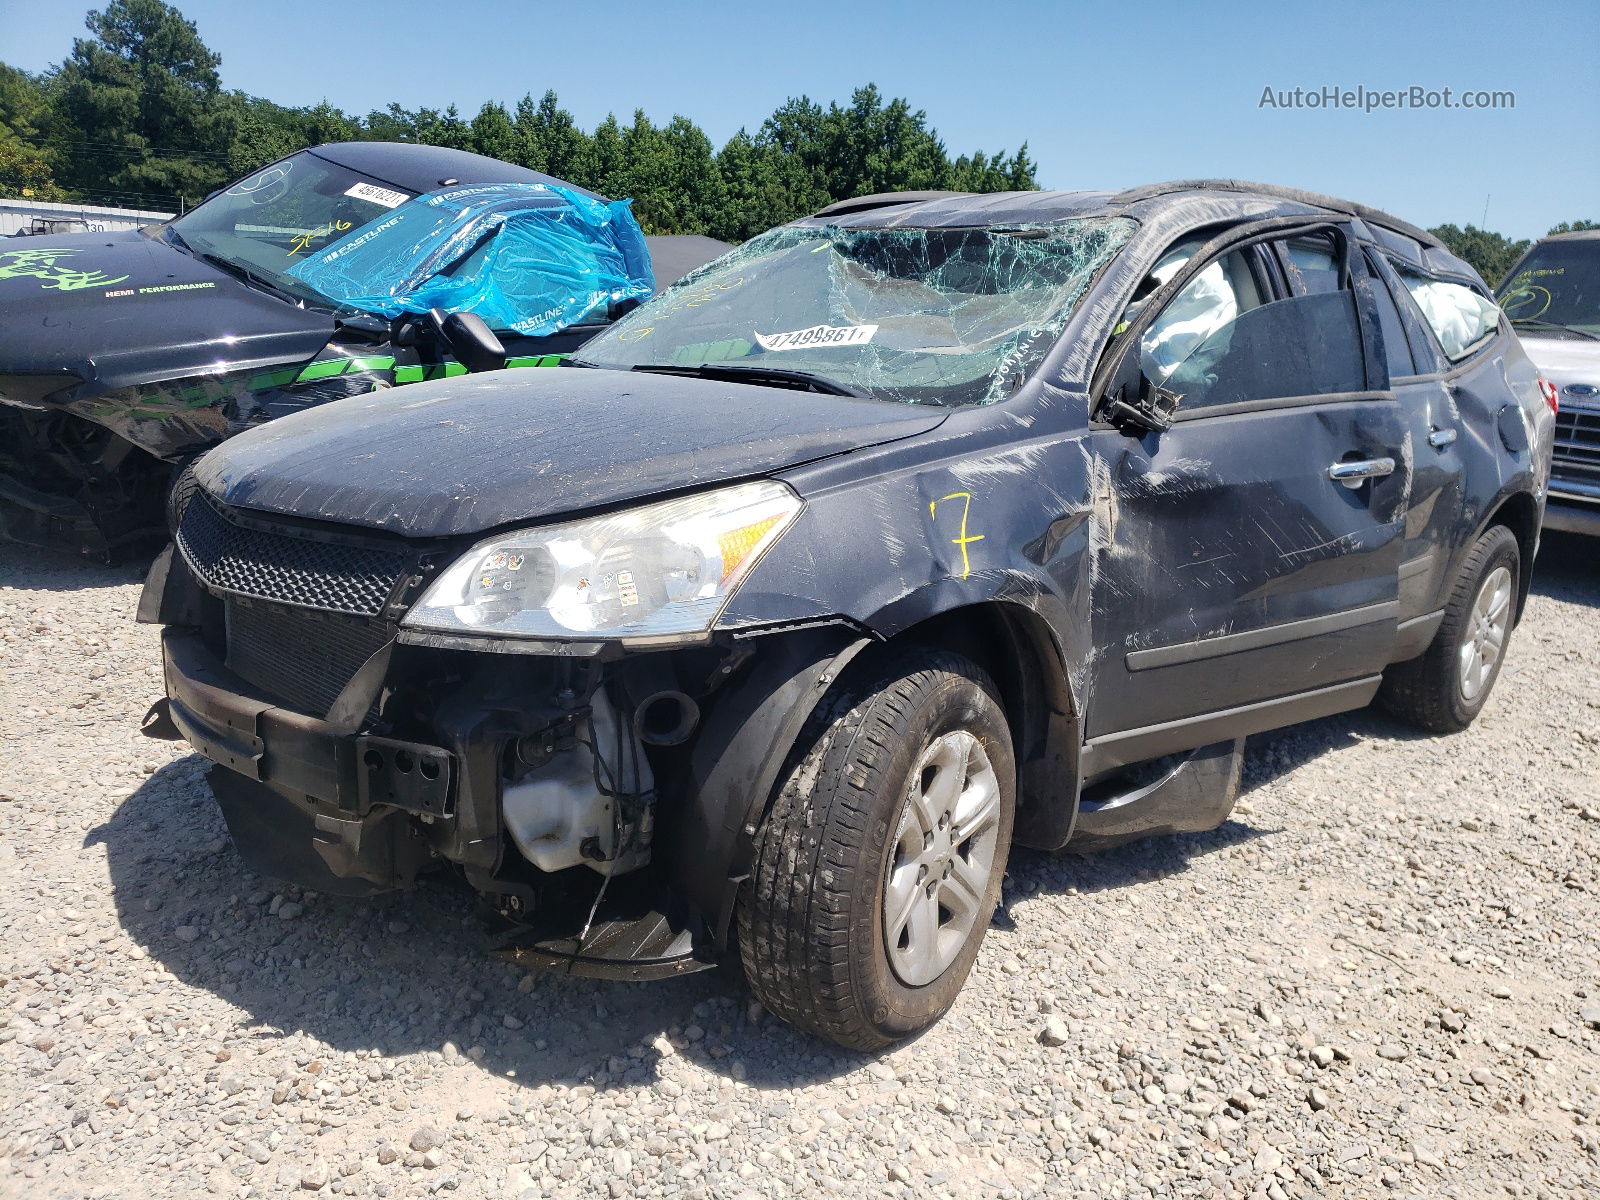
pixel 1380 978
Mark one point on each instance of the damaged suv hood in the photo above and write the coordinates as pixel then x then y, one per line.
pixel 116 309
pixel 464 456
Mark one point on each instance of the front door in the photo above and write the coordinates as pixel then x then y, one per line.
pixel 1247 575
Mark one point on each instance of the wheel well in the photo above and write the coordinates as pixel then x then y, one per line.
pixel 1520 514
pixel 1017 649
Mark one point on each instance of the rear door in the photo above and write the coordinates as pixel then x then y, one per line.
pixel 1248 573
pixel 1418 377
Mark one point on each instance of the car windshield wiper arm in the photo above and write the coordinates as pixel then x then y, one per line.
pixel 243 272
pixel 801 381
pixel 237 270
pixel 172 236
pixel 1537 323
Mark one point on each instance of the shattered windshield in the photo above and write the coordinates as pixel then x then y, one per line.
pixel 269 221
pixel 1556 288
pixel 921 316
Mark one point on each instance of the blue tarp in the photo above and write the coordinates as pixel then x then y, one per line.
pixel 525 257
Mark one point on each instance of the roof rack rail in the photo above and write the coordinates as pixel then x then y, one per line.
pixel 882 200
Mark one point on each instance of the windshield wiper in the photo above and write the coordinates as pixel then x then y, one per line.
pixel 172 236
pixel 1537 323
pixel 800 381
pixel 177 239
pixel 249 276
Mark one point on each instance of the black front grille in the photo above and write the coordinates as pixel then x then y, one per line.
pixel 1577 456
pixel 300 658
pixel 264 563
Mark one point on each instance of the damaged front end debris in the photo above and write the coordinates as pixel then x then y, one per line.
pixel 353 750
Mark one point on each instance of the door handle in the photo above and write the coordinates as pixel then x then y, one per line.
pixel 1354 474
pixel 1440 438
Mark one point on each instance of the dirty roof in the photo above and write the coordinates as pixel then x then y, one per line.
pixel 1221 198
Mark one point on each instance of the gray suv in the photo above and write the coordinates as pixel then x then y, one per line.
pixel 927 524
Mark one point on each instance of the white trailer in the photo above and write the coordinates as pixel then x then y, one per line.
pixel 26 216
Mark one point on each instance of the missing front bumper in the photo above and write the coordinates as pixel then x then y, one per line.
pixel 298 755
pixel 305 800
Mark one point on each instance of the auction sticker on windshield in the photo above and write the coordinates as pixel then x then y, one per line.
pixel 377 195
pixel 818 335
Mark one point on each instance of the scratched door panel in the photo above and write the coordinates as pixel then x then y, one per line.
pixel 1227 545
pixel 1434 514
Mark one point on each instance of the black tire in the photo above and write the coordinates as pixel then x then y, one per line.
pixel 1428 691
pixel 811 916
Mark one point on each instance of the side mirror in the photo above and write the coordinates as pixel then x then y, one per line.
pixel 472 342
pixel 1140 405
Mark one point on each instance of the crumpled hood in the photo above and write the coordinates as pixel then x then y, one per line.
pixel 466 455
pixel 117 309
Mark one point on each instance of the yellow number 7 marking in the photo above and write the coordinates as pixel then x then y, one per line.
pixel 964 540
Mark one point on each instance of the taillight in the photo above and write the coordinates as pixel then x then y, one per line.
pixel 1551 396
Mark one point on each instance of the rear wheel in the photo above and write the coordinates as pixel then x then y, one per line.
pixel 1445 687
pixel 879 866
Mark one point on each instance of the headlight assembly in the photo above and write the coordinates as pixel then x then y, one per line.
pixel 654 571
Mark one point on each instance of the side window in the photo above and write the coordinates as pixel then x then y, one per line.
pixel 1220 341
pixel 1395 347
pixel 1186 339
pixel 1169 265
pixel 1460 317
pixel 1310 265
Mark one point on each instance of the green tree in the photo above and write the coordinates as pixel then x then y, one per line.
pixel 1021 171
pixel 265 132
pixel 865 147
pixel 392 124
pixel 442 129
pixel 137 113
pixel 603 165
pixel 27 164
pixel 671 175
pixel 323 123
pixel 980 172
pixel 1490 253
pixel 872 147
pixel 548 138
pixel 141 105
pixel 763 185
pixel 24 172
pixel 25 110
pixel 1573 227
pixel 492 134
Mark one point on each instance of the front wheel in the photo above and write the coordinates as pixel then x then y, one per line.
pixel 1445 688
pixel 879 866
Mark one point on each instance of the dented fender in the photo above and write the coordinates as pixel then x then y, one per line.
pixel 993 520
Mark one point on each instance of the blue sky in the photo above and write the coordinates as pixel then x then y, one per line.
pixel 1106 95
